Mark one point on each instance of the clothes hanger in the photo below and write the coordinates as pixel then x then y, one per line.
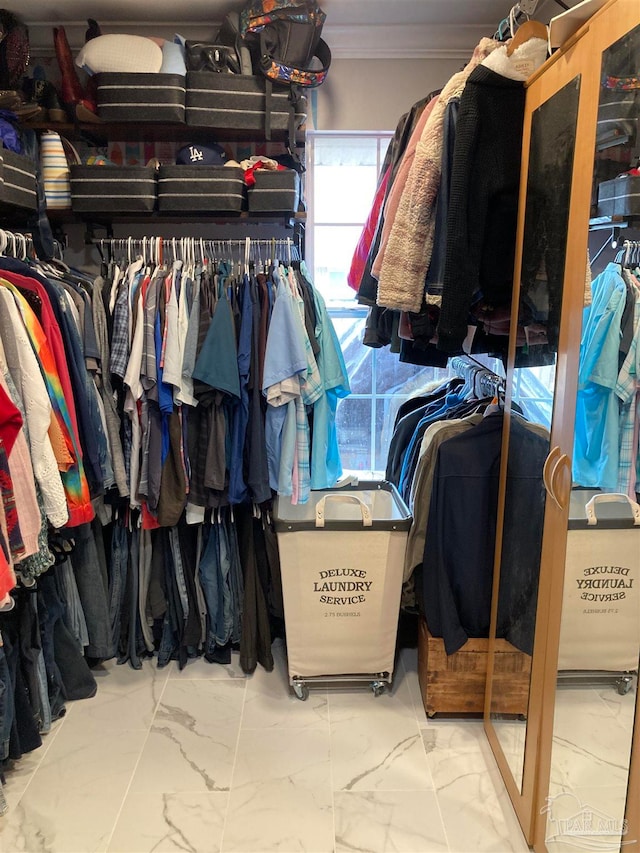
pixel 528 30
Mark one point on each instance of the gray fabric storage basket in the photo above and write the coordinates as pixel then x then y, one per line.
pixel 237 101
pixel 274 192
pixel 213 189
pixel 619 197
pixel 141 97
pixel 113 189
pixel 18 184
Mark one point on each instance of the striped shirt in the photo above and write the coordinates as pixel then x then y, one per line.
pixel 627 390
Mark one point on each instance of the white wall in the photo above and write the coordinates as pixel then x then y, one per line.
pixel 367 94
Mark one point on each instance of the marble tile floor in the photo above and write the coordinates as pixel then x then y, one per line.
pixel 593 728
pixel 207 760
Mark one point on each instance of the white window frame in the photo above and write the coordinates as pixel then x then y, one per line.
pixel 344 310
pixel 383 137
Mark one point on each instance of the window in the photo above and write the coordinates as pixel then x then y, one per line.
pixel 343 172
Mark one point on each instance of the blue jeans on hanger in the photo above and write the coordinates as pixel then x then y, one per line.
pixel 209 574
pixel 117 579
pixel 93 592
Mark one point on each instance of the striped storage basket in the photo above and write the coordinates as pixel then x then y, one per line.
pixel 113 189
pixel 18 184
pixel 141 97
pixel 275 192
pixel 210 189
pixel 237 101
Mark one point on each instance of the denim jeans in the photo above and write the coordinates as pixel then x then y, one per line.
pixel 133 585
pixel 173 617
pixel 117 579
pixel 145 579
pixel 181 583
pixel 45 725
pixel 74 613
pixel 93 593
pixel 224 618
pixel 209 574
pixel 236 584
pixel 24 736
pixel 50 610
pixel 68 675
pixel 200 600
pixel 189 543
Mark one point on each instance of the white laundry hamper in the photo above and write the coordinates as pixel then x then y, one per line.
pixel 341 558
pixel 600 628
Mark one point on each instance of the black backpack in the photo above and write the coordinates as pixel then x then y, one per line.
pixel 284 37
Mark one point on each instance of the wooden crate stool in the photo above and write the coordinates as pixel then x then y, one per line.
pixel 454 684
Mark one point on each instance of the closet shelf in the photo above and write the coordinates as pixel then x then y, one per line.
pixel 67 217
pixel 103 132
pixel 601 223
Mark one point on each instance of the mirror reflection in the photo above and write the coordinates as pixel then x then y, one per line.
pixel 551 155
pixel 600 632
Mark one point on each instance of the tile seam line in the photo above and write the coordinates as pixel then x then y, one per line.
pixel 139 758
pixel 235 761
pixel 426 755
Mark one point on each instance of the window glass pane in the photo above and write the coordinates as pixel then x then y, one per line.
pixel 533 392
pixel 358 358
pixel 333 248
pixel 386 410
pixel 395 377
pixel 353 422
pixel 345 150
pixel 343 193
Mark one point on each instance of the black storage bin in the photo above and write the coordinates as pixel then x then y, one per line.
pixel 620 197
pixel 18 184
pixel 618 112
pixel 141 97
pixel 211 189
pixel 113 189
pixel 237 102
pixel 275 192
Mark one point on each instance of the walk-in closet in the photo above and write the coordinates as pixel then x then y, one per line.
pixel 320 426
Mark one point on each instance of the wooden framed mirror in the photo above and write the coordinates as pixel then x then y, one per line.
pixel 544 754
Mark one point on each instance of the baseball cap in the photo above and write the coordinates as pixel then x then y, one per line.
pixel 201 155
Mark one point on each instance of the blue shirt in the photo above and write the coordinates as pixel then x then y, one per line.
pixel 285 359
pixel 596 450
pixel 326 466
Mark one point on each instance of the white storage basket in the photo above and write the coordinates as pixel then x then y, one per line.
pixel 341 558
pixel 600 628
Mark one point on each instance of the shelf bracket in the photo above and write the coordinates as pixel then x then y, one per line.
pixel 90 232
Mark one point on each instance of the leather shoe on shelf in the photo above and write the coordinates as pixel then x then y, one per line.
pixel 79 107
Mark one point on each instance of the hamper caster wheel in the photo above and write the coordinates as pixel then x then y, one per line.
pixel 623 685
pixel 378 688
pixel 301 690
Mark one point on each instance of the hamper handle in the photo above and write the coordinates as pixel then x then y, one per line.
pixel 614 497
pixel 364 509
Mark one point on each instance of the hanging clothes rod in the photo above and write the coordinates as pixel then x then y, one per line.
pixel 191 249
pixel 477 376
pixel 520 12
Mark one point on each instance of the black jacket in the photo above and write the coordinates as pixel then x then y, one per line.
pixel 483 202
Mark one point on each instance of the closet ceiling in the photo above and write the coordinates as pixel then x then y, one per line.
pixel 354 28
